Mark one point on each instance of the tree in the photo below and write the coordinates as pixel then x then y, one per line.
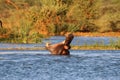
pixel 83 11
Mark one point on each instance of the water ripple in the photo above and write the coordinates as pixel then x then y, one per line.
pixel 40 65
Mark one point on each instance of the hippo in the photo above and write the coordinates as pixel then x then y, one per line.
pixel 61 48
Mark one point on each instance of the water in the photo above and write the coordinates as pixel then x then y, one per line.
pixel 41 65
pixel 84 40
pixel 55 39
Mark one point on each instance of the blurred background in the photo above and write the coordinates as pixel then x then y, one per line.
pixel 26 21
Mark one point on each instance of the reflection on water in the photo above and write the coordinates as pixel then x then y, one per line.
pixel 40 65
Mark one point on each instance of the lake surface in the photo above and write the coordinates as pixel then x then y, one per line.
pixel 55 39
pixel 41 65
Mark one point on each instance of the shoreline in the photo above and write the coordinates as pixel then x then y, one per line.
pixel 94 48
pixel 87 34
pixel 97 34
pixel 72 48
pixel 88 47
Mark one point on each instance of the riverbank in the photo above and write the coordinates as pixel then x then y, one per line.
pixel 97 45
pixel 95 48
pixel 97 34
pixel 90 34
pixel 87 47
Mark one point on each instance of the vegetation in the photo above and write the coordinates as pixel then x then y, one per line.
pixel 28 21
pixel 100 46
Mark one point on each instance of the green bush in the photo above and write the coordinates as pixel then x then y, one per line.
pixel 3 31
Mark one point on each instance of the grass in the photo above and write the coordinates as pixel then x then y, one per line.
pixel 97 34
pixel 92 47
pixel 99 46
